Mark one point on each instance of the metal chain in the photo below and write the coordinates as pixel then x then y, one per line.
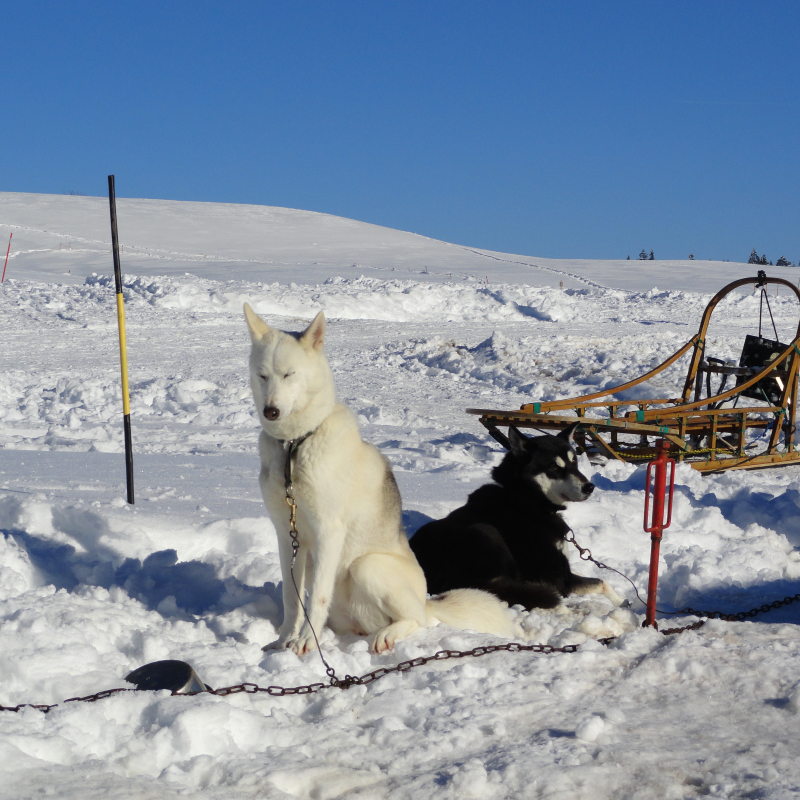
pixel 294 444
pixel 586 555
pixel 739 616
pixel 693 627
pixel 403 666
pixel 698 451
pixel 343 683
pixel 43 707
pixel 441 655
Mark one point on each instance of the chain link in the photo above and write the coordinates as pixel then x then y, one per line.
pixel 292 503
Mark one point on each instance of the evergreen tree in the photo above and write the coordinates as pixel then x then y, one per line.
pixel 652 257
pixel 782 262
pixel 642 255
pixel 754 259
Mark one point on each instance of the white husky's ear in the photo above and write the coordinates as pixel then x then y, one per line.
pixel 258 328
pixel 313 336
pixel 516 439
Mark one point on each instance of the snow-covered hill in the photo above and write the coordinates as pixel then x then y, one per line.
pixel 91 588
pixel 223 241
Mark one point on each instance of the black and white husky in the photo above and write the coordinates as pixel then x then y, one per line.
pixel 509 538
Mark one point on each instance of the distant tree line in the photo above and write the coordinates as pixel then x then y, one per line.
pixel 755 258
pixel 644 257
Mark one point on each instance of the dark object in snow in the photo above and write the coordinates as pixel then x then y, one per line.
pixel 177 676
pixel 757 352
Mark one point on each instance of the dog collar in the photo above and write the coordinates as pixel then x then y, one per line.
pixel 294 444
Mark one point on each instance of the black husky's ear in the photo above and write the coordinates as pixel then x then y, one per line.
pixel 569 432
pixel 516 439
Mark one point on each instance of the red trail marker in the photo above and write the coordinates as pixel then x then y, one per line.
pixel 6 264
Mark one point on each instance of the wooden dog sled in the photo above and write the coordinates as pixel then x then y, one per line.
pixel 706 428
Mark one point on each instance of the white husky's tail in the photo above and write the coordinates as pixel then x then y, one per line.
pixel 474 610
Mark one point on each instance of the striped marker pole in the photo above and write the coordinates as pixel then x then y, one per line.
pixel 123 354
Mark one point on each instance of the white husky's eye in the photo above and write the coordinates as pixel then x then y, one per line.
pixel 287 375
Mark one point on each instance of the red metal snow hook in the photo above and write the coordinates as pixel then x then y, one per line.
pixel 656 522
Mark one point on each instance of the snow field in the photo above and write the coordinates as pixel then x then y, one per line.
pixel 91 588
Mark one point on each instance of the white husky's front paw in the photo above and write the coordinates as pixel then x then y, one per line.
pixel 386 638
pixel 301 644
pixel 278 644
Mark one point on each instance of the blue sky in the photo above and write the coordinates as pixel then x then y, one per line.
pixel 555 129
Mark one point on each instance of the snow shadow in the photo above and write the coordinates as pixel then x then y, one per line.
pixel 634 481
pixel 780 513
pixel 193 585
pixel 161 582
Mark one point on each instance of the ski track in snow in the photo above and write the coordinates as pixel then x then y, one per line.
pixel 91 588
pixel 533 264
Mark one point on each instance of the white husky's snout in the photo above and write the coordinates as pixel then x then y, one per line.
pixel 271 412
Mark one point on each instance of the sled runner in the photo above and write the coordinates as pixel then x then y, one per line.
pixel 706 426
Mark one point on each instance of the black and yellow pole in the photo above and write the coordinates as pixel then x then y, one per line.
pixel 123 354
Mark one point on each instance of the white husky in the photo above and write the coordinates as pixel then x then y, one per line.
pixel 354 560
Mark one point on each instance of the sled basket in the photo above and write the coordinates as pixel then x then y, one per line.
pixel 758 352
